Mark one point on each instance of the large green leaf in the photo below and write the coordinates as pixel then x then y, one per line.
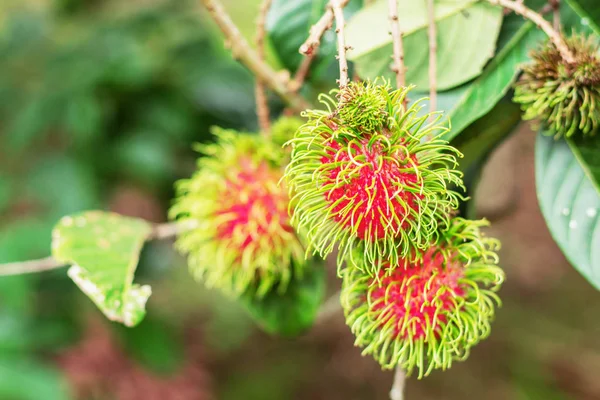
pixel 479 138
pixel 104 249
pixel 588 152
pixel 293 312
pixel 570 203
pixel 589 10
pixel 496 79
pixel 467 33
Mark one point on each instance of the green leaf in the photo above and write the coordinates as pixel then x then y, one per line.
pixel 496 79
pixel 479 138
pixel 104 249
pixel 155 345
pixel 23 379
pixel 570 203
pixel 467 33
pixel 84 118
pixel 293 312
pixel 589 10
pixel 477 142
pixel 288 25
pixel 587 150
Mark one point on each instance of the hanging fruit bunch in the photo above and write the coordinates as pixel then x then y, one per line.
pixel 373 180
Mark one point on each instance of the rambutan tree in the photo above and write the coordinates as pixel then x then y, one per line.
pixel 372 166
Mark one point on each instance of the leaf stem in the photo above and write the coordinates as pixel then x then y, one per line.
pixel 312 43
pixel 159 231
pixel 302 72
pixel 30 266
pixel 241 50
pixel 397 44
pixel 397 392
pixel 432 33
pixel 536 18
pixel 330 308
pixel 262 105
pixel 338 12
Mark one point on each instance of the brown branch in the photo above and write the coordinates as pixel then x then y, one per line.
pixel 27 267
pixel 241 50
pixel 330 308
pixel 432 32
pixel 262 105
pixel 555 4
pixel 397 46
pixel 536 18
pixel 338 12
pixel 302 72
pixel 312 43
pixel 397 392
pixel 159 231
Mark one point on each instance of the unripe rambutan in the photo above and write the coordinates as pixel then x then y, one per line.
pixel 284 128
pixel 363 175
pixel 425 314
pixel 243 236
pixel 565 96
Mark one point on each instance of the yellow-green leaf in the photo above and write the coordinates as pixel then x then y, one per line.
pixel 104 250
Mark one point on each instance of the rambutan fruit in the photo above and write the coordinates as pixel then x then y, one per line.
pixel 425 314
pixel 284 128
pixel 244 238
pixel 564 95
pixel 363 174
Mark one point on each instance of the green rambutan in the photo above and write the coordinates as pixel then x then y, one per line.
pixel 364 175
pixel 284 128
pixel 565 96
pixel 425 314
pixel 243 237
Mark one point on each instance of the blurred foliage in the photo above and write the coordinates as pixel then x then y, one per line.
pixel 98 99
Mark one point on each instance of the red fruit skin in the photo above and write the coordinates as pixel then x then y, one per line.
pixel 373 193
pixel 253 208
pixel 416 296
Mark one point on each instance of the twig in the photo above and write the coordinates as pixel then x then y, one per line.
pixel 432 32
pixel 171 229
pixel 555 14
pixel 397 46
pixel 536 18
pixel 27 267
pixel 262 105
pixel 159 231
pixel 302 72
pixel 312 43
pixel 330 308
pixel 338 12
pixel 397 392
pixel 241 50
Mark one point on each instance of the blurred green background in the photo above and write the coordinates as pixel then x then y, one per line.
pixel 100 101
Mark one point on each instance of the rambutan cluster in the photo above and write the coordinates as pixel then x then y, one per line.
pixel 362 175
pixel 564 95
pixel 374 180
pixel 243 237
